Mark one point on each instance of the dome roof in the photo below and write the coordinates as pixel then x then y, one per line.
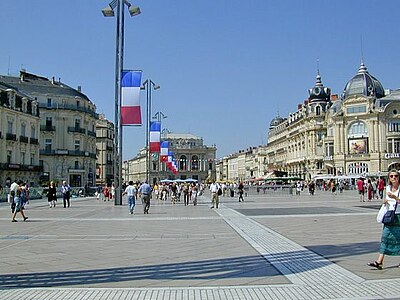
pixel 276 121
pixel 364 84
pixel 319 92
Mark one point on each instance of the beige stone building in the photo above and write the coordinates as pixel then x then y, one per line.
pixel 194 160
pixel 355 134
pixel 105 151
pixel 19 131
pixel 67 128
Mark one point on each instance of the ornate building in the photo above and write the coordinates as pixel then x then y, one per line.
pixel 195 160
pixel 19 130
pixel 358 134
pixel 67 128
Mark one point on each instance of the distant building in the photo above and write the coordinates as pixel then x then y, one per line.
pixel 105 151
pixel 19 131
pixel 67 128
pixel 194 159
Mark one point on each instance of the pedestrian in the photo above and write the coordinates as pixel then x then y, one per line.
pixel 390 239
pixel 20 200
pixel 369 190
pixel 174 192
pixel 66 193
pixel 13 189
pixel 311 187
pixel 145 192
pixel 52 195
pixel 131 192
pixel 112 191
pixel 361 188
pixel 106 193
pixel 241 191
pixel 185 190
pixel 381 187
pixel 298 188
pixel 216 191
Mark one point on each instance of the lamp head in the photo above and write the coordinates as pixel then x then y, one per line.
pixel 134 10
pixel 108 11
pixel 156 87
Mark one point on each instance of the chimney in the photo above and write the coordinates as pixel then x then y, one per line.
pixel 299 106
pixel 79 88
pixel 22 75
pixel 53 80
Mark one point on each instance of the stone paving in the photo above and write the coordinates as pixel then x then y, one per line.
pixel 272 246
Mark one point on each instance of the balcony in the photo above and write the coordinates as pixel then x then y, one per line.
pixel 76 129
pixel 91 133
pixel 46 152
pixel 7 166
pixel 47 128
pixel 11 137
pixel 23 139
pixel 70 106
pixel 34 141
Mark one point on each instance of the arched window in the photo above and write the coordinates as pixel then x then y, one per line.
pixel 183 163
pixel 358 168
pixel 358 129
pixel 318 110
pixel 195 163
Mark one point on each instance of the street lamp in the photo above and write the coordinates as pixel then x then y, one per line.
pixel 119 63
pixel 148 85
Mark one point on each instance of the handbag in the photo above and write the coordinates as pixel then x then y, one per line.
pixel 381 213
pixel 390 216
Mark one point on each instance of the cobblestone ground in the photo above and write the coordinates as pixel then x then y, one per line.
pixel 272 246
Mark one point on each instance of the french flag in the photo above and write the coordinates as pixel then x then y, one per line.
pixel 164 151
pixel 155 136
pixel 130 98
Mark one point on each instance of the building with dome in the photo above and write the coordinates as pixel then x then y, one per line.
pixel 356 134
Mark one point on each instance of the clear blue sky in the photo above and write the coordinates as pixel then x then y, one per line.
pixel 225 67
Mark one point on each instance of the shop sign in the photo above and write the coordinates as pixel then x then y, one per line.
pixel 392 155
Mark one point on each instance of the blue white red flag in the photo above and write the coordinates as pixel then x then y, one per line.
pixel 130 98
pixel 164 151
pixel 155 136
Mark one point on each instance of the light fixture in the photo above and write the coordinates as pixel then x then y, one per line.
pixel 134 11
pixel 108 11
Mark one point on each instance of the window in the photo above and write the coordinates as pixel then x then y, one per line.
pixel 330 131
pixel 9 156
pixel 394 126
pixel 33 159
pixel 23 129
pixel 393 146
pixel 358 129
pixel 48 102
pixel 358 168
pixel 49 121
pixel 356 109
pixel 77 123
pixel 76 164
pixel 47 144
pixel 22 158
pixel 195 163
pixel 10 125
pixel 33 131
pixel 77 145
pixel 182 163
pixel 318 110
pixel 329 149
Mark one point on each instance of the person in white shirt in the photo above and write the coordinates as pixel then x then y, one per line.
pixel 131 191
pixel 214 189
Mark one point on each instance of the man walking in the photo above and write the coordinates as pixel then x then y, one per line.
pixel 131 192
pixel 145 192
pixel 13 190
pixel 215 189
pixel 66 193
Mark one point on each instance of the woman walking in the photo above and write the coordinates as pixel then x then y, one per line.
pixel 52 195
pixel 390 240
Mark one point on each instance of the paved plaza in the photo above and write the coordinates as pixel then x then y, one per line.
pixel 272 246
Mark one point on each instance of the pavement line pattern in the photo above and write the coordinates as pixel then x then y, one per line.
pixel 298 264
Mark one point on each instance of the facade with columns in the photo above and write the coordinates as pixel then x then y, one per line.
pixel 357 133
pixel 194 159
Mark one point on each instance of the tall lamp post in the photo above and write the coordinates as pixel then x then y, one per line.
pixel 118 5
pixel 148 85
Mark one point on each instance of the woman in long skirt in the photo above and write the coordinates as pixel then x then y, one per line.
pixel 390 240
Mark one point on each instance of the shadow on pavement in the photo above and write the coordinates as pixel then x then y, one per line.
pixel 240 267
